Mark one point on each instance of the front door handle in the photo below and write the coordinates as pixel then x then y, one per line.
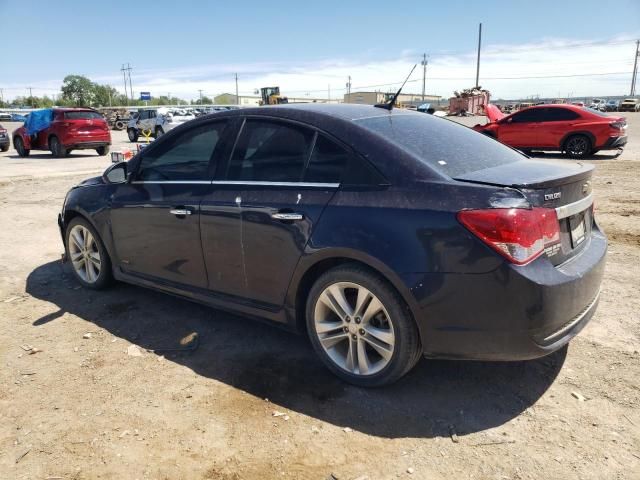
pixel 180 211
pixel 287 216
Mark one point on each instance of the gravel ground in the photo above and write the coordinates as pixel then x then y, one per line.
pixel 84 407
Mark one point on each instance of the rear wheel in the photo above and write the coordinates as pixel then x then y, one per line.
pixel 18 143
pixel 102 151
pixel 159 132
pixel 133 134
pixel 119 125
pixel 57 149
pixel 360 327
pixel 577 146
pixel 4 148
pixel 89 259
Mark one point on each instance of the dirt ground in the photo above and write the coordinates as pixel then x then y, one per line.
pixel 83 407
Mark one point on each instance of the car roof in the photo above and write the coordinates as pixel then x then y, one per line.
pixel 341 111
pixel 73 109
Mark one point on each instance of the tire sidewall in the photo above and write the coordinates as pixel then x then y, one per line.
pixel 582 155
pixel 105 276
pixel 398 316
pixel 132 134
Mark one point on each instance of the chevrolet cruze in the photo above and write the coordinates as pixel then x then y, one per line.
pixel 384 235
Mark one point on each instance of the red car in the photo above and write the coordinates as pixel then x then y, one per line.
pixel 577 131
pixel 69 129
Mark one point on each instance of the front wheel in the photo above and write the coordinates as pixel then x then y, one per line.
pixel 18 143
pixel 577 146
pixel 133 134
pixel 360 327
pixel 102 151
pixel 89 259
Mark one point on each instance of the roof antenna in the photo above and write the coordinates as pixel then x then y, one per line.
pixel 389 105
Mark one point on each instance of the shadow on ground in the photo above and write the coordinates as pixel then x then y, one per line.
pixel 43 154
pixel 271 363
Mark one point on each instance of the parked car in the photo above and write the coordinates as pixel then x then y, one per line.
pixel 5 143
pixel 62 130
pixel 5 116
pixel 577 131
pixel 611 106
pixel 384 235
pixel 597 104
pixel 157 121
pixel 578 104
pixel 16 117
pixel 629 105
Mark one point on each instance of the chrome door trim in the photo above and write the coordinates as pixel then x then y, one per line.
pixel 175 182
pixel 575 207
pixel 287 216
pixel 275 184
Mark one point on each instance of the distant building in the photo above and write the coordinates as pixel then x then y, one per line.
pixel 254 100
pixel 404 99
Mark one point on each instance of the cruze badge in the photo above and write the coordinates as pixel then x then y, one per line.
pixel 552 196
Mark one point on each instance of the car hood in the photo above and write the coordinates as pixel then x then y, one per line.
pixel 493 113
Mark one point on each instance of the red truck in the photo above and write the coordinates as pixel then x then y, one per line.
pixel 66 129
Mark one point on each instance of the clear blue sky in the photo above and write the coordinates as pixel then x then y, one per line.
pixel 45 40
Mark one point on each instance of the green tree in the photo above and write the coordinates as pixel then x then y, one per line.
pixel 105 96
pixel 79 90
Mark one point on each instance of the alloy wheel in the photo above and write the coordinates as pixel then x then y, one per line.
pixel 577 146
pixel 84 254
pixel 354 328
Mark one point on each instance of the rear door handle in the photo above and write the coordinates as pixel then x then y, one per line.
pixel 180 211
pixel 287 216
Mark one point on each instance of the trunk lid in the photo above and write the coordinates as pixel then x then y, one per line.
pixel 493 113
pixel 565 187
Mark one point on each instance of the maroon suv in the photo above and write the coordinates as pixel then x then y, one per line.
pixel 69 129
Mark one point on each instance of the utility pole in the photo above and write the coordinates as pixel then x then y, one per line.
pixel 200 96
pixel 109 89
pixel 124 77
pixel 635 69
pixel 478 62
pixel 31 97
pixel 424 73
pixel 328 93
pixel 130 87
pixel 1 96
pixel 349 89
pixel 237 97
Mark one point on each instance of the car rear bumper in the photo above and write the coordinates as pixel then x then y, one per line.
pixel 514 312
pixel 93 144
pixel 615 142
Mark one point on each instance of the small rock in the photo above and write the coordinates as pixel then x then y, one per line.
pixel 278 414
pixel 87 335
pixel 315 429
pixel 34 350
pixel 75 349
pixel 347 429
pixel 579 396
pixel 410 471
pixel 453 434
pixel 124 433
pixel 134 351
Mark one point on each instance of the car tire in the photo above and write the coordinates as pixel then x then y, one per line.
pixel 18 144
pixel 102 151
pixel 57 149
pixel 87 255
pixel 119 125
pixel 159 132
pixel 133 134
pixel 577 146
pixel 381 337
pixel 4 148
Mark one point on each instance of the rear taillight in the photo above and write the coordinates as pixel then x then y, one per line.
pixel 3 130
pixel 520 235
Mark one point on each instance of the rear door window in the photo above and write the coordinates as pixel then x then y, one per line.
pixel 532 115
pixel 328 161
pixel 445 146
pixel 559 115
pixel 183 157
pixel 270 151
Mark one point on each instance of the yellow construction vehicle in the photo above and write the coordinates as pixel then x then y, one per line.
pixel 271 96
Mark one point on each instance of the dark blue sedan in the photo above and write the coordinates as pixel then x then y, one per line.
pixel 385 235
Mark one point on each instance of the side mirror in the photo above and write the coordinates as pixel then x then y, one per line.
pixel 116 173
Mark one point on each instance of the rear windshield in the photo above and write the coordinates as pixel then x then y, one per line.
pixel 446 146
pixel 82 115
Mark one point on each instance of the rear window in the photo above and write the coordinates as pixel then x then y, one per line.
pixel 82 116
pixel 447 147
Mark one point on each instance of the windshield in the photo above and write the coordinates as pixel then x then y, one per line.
pixel 445 146
pixel 86 115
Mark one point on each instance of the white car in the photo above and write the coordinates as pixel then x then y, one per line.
pixel 154 122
